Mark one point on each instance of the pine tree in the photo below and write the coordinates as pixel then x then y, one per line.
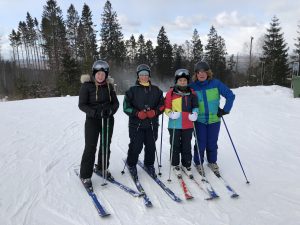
pixel 33 41
pixel 149 52
pixel 68 81
pixel 197 47
pixel 188 50
pixel 39 45
pixel 112 46
pixel 163 52
pixel 131 49
pixel 14 39
pixel 87 37
pixel 215 53
pixel 178 53
pixel 54 35
pixel 275 55
pixel 141 50
pixel 72 23
pixel 23 31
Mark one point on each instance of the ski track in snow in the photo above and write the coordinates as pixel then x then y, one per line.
pixel 42 141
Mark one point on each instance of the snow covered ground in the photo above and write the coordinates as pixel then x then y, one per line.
pixel 41 142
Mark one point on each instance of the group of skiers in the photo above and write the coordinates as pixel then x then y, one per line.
pixel 192 105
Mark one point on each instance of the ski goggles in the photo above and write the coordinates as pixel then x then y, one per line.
pixel 144 73
pixel 182 72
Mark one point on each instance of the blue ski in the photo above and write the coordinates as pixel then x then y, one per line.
pixel 140 188
pixel 161 184
pixel 121 186
pixel 101 210
pixel 231 192
pixel 212 193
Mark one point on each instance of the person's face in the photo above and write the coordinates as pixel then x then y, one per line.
pixel 100 76
pixel 201 75
pixel 182 81
pixel 144 76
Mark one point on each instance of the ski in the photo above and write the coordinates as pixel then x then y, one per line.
pixel 187 193
pixel 100 209
pixel 168 191
pixel 230 190
pixel 212 193
pixel 121 186
pixel 140 188
pixel 200 186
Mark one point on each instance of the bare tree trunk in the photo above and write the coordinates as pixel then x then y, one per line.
pixel 18 56
pixel 22 51
pixel 37 55
pixel 27 55
pixel 14 53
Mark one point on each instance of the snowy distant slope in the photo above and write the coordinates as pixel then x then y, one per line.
pixel 42 141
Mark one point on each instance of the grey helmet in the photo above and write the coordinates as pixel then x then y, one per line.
pixel 143 67
pixel 201 66
pixel 180 73
pixel 100 65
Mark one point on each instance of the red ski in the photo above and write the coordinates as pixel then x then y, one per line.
pixel 187 193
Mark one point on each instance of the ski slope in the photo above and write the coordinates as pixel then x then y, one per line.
pixel 42 140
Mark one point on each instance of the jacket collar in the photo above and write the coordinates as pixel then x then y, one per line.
pixel 202 83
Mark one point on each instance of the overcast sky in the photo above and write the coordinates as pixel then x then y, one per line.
pixel 235 20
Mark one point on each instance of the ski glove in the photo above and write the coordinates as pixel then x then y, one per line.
pixel 221 112
pixel 141 115
pixel 151 113
pixel 98 112
pixel 106 113
pixel 193 116
pixel 174 115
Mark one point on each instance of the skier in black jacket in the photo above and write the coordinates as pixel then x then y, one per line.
pixel 143 103
pixel 98 99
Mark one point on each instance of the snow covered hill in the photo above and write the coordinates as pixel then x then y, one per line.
pixel 41 142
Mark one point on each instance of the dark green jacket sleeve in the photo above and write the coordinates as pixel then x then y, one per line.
pixel 127 106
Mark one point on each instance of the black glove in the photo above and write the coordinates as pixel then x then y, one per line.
pixel 221 112
pixel 106 113
pixel 98 114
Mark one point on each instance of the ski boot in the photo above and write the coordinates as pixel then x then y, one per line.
pixel 188 171
pixel 215 168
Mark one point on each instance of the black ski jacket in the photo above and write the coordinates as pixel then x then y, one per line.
pixel 92 95
pixel 139 98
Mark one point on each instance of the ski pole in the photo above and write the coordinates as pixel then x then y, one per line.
pixel 161 136
pixel 159 173
pixel 106 152
pixel 171 156
pixel 235 150
pixel 102 150
pixel 198 150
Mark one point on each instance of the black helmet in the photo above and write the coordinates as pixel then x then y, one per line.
pixel 201 66
pixel 100 65
pixel 143 67
pixel 182 73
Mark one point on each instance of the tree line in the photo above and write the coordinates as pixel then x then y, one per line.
pixel 48 56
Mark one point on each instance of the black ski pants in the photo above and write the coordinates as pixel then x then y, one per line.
pixel 93 127
pixel 138 138
pixel 181 145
